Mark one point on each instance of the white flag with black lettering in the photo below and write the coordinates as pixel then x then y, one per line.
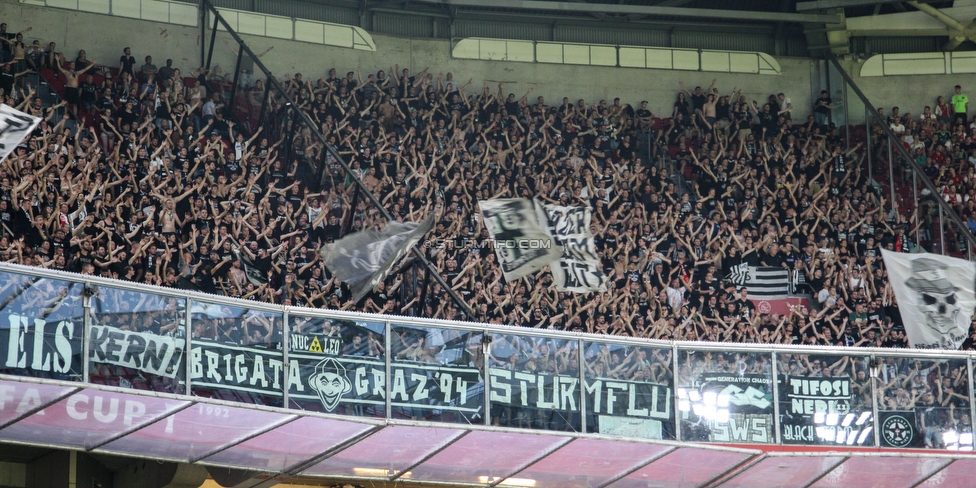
pixel 578 268
pixel 523 244
pixel 363 259
pixel 936 297
pixel 15 126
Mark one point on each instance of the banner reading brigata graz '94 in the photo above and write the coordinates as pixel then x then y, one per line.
pixel 41 347
pixel 318 378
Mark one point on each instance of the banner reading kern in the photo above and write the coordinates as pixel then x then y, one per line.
pixel 150 353
pixel 32 346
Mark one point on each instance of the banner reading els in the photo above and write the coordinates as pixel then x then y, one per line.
pixel 39 347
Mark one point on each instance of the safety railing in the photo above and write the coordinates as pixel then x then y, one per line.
pixel 924 215
pixel 86 329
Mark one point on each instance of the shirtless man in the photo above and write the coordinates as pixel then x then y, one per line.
pixel 72 94
pixel 707 111
pixel 168 219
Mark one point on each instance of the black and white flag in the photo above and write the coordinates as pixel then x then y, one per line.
pixel 522 243
pixel 15 126
pixel 578 269
pixel 363 259
pixel 763 282
pixel 936 296
pixel 739 274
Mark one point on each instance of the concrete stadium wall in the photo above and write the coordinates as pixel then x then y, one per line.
pixel 909 93
pixel 103 37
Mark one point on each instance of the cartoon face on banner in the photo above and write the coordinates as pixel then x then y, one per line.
pixel 936 295
pixel 330 382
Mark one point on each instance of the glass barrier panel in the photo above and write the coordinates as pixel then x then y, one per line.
pixel 337 366
pixel 924 404
pixel 825 400
pixel 236 354
pixel 436 374
pixel 137 340
pixel 42 329
pixel 534 382
pixel 629 391
pixel 726 397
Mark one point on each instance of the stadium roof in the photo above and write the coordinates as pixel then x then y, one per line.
pixel 291 446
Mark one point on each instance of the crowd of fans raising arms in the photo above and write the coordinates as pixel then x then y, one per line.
pixel 146 178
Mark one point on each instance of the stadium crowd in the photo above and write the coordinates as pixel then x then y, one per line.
pixel 141 174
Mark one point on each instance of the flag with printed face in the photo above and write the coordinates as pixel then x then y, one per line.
pixel 578 269
pixel 522 243
pixel 15 126
pixel 936 296
pixel 363 259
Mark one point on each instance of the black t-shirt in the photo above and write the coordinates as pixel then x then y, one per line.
pixel 820 106
pixel 127 62
pixel 7 81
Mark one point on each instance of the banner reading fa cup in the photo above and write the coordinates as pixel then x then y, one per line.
pixel 522 243
pixel 578 269
pixel 936 297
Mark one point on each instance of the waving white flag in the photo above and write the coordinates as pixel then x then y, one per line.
pixel 936 297
pixel 15 126
pixel 522 243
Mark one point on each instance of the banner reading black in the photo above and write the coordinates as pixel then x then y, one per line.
pixel 806 402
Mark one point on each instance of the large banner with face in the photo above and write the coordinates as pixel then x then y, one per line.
pixel 41 347
pixel 936 297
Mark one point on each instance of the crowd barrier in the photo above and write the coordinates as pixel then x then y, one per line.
pixel 71 327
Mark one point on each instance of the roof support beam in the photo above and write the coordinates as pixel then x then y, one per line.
pixel 642 10
pixel 958 31
pixel 828 4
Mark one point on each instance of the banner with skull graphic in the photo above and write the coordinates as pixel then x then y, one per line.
pixel 936 297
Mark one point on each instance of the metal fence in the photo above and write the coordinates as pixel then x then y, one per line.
pixel 71 327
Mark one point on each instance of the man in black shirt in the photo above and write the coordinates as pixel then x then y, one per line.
pixel 126 62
